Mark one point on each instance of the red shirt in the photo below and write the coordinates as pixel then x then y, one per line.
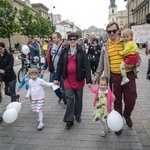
pixel 71 82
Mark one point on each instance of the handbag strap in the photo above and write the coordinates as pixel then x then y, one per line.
pixel 56 52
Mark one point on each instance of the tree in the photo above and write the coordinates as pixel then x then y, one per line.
pixel 43 26
pixel 8 23
pixel 79 33
pixel 26 22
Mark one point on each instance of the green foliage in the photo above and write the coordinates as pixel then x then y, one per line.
pixel 8 25
pixel 26 22
pixel 79 33
pixel 43 26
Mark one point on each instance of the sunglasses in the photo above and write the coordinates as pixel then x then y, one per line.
pixel 111 31
pixel 72 39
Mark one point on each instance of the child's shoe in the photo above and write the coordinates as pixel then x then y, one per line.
pixel 124 81
pixel 40 126
pixel 103 133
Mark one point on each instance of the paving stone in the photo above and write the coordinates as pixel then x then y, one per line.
pixel 24 147
pixel 136 146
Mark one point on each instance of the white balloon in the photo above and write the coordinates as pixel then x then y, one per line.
pixel 25 49
pixel 15 105
pixel 115 121
pixel 10 115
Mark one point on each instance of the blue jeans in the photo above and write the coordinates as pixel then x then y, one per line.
pixel 60 92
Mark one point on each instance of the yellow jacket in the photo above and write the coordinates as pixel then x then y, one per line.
pixel 129 48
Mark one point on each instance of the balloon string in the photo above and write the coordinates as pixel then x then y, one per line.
pixel 23 101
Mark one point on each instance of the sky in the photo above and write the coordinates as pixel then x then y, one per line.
pixel 84 13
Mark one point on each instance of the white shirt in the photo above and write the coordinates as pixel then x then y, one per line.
pixel 36 90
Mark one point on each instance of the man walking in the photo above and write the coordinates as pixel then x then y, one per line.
pixel 53 55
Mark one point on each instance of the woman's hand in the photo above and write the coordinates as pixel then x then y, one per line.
pixel 89 85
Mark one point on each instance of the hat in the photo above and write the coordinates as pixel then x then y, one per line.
pixel 36 57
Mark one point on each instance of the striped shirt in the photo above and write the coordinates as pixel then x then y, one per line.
pixel 114 58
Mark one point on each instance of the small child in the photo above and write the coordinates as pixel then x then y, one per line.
pixel 35 63
pixel 36 92
pixel 102 103
pixel 130 54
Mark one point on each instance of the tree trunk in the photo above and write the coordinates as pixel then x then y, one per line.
pixel 10 48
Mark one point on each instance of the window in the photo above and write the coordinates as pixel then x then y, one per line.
pixel 112 11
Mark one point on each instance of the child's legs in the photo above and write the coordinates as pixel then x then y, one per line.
pixel 102 125
pixel 40 113
pixel 122 69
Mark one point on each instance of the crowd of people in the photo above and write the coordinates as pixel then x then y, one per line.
pixel 112 63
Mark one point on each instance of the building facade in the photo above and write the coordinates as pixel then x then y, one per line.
pixel 137 10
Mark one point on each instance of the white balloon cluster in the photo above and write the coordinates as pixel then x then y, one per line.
pixel 11 113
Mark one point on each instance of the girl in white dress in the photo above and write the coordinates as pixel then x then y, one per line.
pixel 36 92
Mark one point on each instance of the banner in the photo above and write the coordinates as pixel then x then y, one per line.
pixel 141 33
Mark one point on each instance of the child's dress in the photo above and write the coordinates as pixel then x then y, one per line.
pixel 102 104
pixel 36 92
pixel 100 109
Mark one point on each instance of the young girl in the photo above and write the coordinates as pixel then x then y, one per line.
pixel 130 54
pixel 102 103
pixel 36 92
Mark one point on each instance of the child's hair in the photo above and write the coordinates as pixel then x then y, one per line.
pixel 103 78
pixel 33 71
pixel 128 31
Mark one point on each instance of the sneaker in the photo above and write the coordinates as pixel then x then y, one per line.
pixel 124 81
pixel 40 126
pixel 103 133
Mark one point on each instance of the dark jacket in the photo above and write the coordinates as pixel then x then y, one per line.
pixel 91 50
pixel 82 64
pixel 7 63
